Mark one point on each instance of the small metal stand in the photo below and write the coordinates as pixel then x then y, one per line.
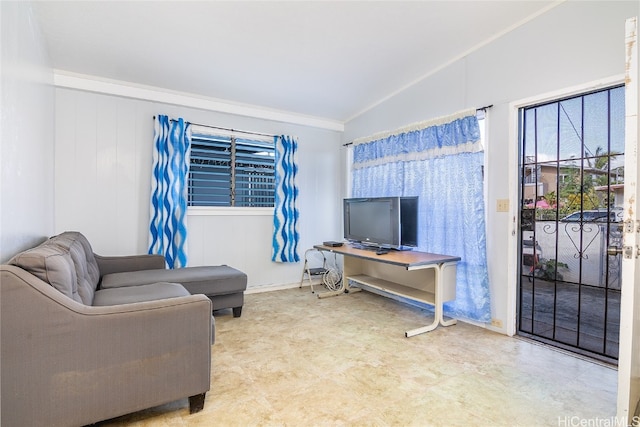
pixel 311 272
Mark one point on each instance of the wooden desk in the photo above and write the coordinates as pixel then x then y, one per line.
pixel 418 276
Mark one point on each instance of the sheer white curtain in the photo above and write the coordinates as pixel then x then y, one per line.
pixel 440 161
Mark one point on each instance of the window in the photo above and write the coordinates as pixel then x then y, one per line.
pixel 226 170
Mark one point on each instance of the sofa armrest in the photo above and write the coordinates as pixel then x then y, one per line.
pixel 64 363
pixel 121 264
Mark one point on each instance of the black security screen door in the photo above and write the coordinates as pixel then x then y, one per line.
pixel 572 183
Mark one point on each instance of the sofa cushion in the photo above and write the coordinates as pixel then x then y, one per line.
pixel 84 262
pixel 51 264
pixel 208 280
pixel 131 294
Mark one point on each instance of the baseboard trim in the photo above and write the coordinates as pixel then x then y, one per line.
pixel 273 287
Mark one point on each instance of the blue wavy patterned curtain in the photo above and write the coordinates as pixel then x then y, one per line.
pixel 285 218
pixel 168 225
pixel 440 161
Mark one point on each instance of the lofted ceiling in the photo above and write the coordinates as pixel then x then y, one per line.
pixel 325 59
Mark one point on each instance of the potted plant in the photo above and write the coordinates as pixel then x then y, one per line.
pixel 547 269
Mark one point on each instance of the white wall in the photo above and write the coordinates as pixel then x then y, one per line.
pixel 27 123
pixel 103 171
pixel 572 44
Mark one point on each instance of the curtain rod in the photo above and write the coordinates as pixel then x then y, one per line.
pixel 227 129
pixel 485 108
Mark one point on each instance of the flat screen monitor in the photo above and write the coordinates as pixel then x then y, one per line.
pixel 387 222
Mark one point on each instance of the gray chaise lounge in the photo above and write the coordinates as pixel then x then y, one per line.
pixel 224 285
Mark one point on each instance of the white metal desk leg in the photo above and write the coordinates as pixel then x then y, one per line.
pixel 438 317
pixel 423 329
pixel 440 280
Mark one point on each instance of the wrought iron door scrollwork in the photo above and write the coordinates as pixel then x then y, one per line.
pixel 582 228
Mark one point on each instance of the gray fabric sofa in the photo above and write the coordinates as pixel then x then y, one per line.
pixel 74 354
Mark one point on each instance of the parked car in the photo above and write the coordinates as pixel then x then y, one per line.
pixel 596 215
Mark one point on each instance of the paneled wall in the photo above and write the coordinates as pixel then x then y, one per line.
pixel 26 150
pixel 573 44
pixel 103 169
pixel 103 159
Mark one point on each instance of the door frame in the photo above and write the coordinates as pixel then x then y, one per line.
pixel 629 358
pixel 514 182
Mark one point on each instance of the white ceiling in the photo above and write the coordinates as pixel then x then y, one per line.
pixel 327 59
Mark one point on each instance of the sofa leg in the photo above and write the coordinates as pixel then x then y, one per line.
pixel 196 403
pixel 237 311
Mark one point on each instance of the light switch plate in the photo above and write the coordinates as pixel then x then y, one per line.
pixel 502 205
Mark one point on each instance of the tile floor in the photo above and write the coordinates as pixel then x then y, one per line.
pixel 293 359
